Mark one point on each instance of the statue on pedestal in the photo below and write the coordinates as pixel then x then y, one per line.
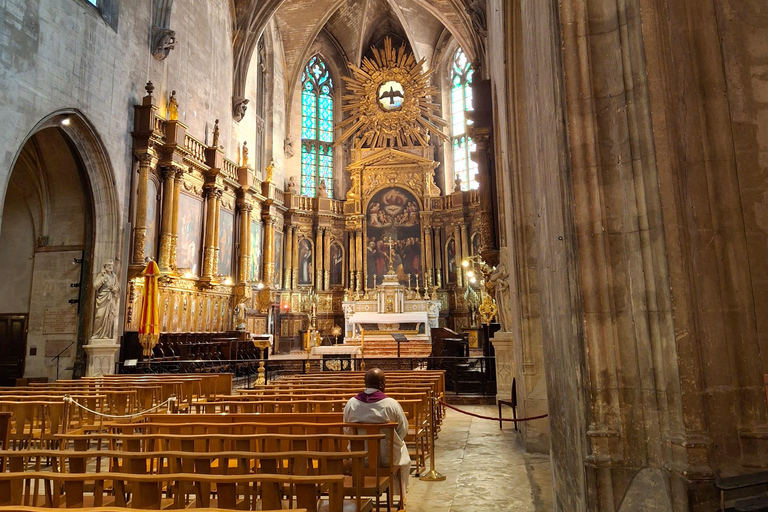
pixel 245 154
pixel 270 171
pixel 321 190
pixel 216 134
pixel 107 300
pixel 500 285
pixel 173 107
pixel 291 187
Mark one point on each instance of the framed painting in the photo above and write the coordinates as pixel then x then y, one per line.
pixel 336 264
pixel 475 243
pixel 226 244
pixel 150 244
pixel 450 261
pixel 306 269
pixel 277 279
pixel 190 237
pixel 256 250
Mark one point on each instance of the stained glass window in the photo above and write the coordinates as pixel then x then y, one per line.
pixel 316 127
pixel 461 101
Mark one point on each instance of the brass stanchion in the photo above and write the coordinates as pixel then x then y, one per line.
pixel 432 475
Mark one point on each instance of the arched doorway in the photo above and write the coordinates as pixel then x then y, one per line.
pixel 51 241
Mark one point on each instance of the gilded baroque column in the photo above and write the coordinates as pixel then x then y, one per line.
pixel 212 197
pixel 146 162
pixel 438 257
pixel 216 226
pixel 269 252
pixel 359 255
pixel 319 258
pixel 245 240
pixel 351 252
pixel 428 260
pixel 166 228
pixel 288 258
pixel 178 179
pixel 327 260
pixel 295 257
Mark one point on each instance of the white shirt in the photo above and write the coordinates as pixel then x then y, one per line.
pixel 383 411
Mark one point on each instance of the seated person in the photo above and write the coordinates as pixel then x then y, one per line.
pixel 373 406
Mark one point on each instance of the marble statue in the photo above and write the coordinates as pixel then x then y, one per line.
pixel 499 280
pixel 173 107
pixel 163 42
pixel 288 148
pixel 107 301
pixel 291 187
pixel 321 190
pixel 239 106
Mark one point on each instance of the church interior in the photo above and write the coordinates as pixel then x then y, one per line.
pixel 215 215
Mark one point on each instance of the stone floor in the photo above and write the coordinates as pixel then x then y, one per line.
pixel 486 470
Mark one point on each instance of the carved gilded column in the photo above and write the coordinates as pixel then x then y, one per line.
pixel 319 258
pixel 295 256
pixel 351 260
pixel 459 255
pixel 146 162
pixel 288 258
pixel 216 235
pixel 269 252
pixel 359 255
pixel 245 240
pixel 178 179
pixel 327 260
pixel 166 228
pixel 428 260
pixel 212 197
pixel 439 257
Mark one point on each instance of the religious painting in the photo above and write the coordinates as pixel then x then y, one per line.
pixel 256 251
pixel 475 243
pixel 277 279
pixel 336 264
pixel 450 261
pixel 226 235
pixel 150 243
pixel 305 262
pixel 393 215
pixel 190 233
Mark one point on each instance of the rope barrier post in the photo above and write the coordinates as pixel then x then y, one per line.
pixel 432 475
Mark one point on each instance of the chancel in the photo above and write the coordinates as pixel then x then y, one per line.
pixel 220 213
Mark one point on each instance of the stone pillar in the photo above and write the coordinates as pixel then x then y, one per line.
pixel 318 258
pixel 438 258
pixel 102 354
pixel 209 253
pixel 351 252
pixel 269 252
pixel 288 258
pixel 295 258
pixel 178 179
pixel 503 345
pixel 428 259
pixel 166 228
pixel 459 255
pixel 245 240
pixel 146 162
pixel 327 260
pixel 359 257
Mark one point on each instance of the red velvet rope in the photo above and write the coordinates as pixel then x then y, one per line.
pixel 491 418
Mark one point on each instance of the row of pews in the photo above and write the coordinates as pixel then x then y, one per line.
pixel 281 446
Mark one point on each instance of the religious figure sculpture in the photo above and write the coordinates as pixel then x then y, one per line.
pixel 476 11
pixel 288 148
pixel 291 187
pixel 163 42
pixel 173 107
pixel 499 281
pixel 239 106
pixel 321 190
pixel 270 171
pixel 457 184
pixel 216 134
pixel 240 316
pixel 245 154
pixel 107 299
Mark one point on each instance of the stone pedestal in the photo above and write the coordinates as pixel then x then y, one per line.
pixel 101 356
pixel 504 346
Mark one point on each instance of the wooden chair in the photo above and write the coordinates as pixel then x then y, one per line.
pixel 511 403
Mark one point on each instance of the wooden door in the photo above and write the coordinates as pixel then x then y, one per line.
pixel 13 347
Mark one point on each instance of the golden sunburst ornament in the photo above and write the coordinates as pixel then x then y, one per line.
pixel 390 101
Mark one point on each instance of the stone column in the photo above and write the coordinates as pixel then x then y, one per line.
pixel 146 162
pixel 269 252
pixel 504 347
pixel 212 197
pixel 166 228
pixel 359 257
pixel 319 258
pixel 459 255
pixel 438 258
pixel 428 260
pixel 178 179
pixel 245 240
pixel 288 258
pixel 295 258
pixel 351 252
pixel 327 260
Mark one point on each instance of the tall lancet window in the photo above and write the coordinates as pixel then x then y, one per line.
pixel 461 101
pixel 316 128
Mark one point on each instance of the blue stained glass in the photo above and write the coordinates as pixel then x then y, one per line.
pixel 316 127
pixel 461 101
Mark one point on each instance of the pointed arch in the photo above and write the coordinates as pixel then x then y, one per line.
pixel 461 101
pixel 316 127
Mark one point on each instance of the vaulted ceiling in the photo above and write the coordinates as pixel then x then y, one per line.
pixel 353 25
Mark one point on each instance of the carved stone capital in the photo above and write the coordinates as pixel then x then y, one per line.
pixel 239 106
pixel 163 41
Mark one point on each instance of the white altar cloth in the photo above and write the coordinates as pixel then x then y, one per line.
pixel 389 318
pixel 352 350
